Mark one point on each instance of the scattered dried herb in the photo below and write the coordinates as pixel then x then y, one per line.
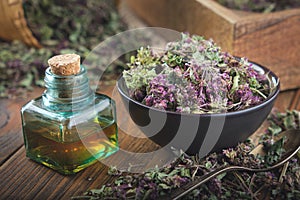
pixel 275 184
pixel 193 75
pixel 62 26
pixel 72 25
pixel 21 67
pixel 264 6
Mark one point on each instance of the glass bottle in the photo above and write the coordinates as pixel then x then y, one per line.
pixel 69 127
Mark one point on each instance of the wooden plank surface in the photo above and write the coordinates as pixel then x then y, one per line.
pixel 22 178
pixel 11 132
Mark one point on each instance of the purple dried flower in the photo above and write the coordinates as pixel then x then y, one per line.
pixel 270 177
pixel 245 96
pixel 294 160
pixel 261 77
pixel 194 76
pixel 139 94
pixel 160 93
pixel 215 186
pixel 14 64
pixel 179 181
pixel 187 98
pixel 251 72
pixel 230 153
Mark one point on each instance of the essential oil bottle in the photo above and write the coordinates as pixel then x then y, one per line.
pixel 69 127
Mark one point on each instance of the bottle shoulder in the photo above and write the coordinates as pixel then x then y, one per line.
pixel 32 104
pixel 35 107
pixel 99 98
pixel 101 103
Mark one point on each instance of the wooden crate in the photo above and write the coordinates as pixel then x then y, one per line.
pixel 272 39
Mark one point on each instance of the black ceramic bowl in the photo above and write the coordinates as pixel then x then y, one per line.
pixel 200 133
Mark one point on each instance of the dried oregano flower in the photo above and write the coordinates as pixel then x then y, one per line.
pixel 193 75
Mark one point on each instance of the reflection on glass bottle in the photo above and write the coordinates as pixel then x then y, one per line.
pixel 69 127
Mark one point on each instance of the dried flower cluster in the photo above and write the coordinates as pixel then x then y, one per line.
pixel 158 183
pixel 193 75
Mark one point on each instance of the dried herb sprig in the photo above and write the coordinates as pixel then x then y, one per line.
pixel 157 182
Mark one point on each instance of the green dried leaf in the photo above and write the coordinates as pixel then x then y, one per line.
pixel 27 81
pixel 164 186
pixel 289 122
pixel 185 172
pixel 221 176
pixel 208 165
pixel 147 194
pixel 274 130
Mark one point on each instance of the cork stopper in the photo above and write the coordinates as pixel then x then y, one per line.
pixel 65 65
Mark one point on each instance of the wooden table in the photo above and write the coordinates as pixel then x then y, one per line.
pixel 21 178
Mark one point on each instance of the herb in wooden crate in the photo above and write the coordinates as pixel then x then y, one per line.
pixel 264 6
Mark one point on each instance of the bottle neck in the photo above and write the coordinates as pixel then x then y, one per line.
pixel 67 93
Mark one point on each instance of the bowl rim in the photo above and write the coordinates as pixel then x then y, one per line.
pixel 269 99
